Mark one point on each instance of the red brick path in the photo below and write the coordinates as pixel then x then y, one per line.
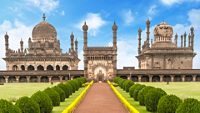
pixel 100 99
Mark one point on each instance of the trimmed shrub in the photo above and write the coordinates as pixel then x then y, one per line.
pixel 8 107
pixel 189 105
pixel 136 91
pixel 44 101
pixel 116 79
pixel 168 104
pixel 121 81
pixel 54 96
pixel 28 105
pixel 128 85
pixel 142 94
pixel 64 88
pixel 73 84
pixel 60 92
pixel 69 89
pixel 132 89
pixel 152 98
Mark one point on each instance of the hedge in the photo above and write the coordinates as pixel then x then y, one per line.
pixel 136 91
pixel 54 96
pixel 64 88
pixel 132 89
pixel 168 104
pixel 44 101
pixel 28 105
pixel 60 92
pixel 142 94
pixel 152 98
pixel 127 84
pixel 189 105
pixel 8 107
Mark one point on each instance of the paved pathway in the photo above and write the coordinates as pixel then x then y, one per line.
pixel 100 99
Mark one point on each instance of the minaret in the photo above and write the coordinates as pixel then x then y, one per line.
pixel 85 28
pixel 6 43
pixel 44 17
pixel 72 41
pixel 185 39
pixel 114 29
pixel 29 43
pixel 21 46
pixel 139 40
pixel 176 39
pixel 189 40
pixel 76 46
pixel 192 37
pixel 148 31
pixel 181 41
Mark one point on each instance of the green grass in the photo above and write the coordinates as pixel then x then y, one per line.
pixel 180 89
pixel 16 90
pixel 141 109
pixel 67 102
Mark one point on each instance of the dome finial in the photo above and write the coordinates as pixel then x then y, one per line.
pixel 44 17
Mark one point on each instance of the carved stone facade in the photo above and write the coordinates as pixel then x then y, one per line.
pixel 163 53
pixel 100 63
pixel 43 52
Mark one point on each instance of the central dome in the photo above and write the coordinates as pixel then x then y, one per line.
pixel 44 31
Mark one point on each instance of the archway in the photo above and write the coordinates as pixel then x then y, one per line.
pixel 57 67
pixel 22 67
pixel 33 79
pixel 30 68
pixel 167 78
pixel 22 79
pixel 198 78
pixel 124 76
pixel 65 67
pixel 44 79
pixel 134 78
pixel 49 67
pixel 188 78
pixel 15 67
pixel 12 79
pixel 155 78
pixel 145 78
pixel 2 79
pixel 55 79
pixel 100 73
pixel 40 68
pixel 177 78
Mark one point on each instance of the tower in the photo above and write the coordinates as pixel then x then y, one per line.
pixel 85 28
pixel 139 40
pixel 176 39
pixel 114 29
pixel 192 37
pixel 185 39
pixel 148 32
pixel 76 46
pixel 21 45
pixel 6 43
pixel 72 41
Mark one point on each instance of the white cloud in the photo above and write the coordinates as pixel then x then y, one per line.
pixel 45 6
pixel 94 22
pixel 172 2
pixel 194 17
pixel 152 11
pixel 127 17
pixel 16 31
pixel 62 13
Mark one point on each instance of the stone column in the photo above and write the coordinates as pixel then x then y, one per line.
pixel 39 78
pixel 50 78
pixel 17 78
pixel 28 78
pixel 172 78
pixel 161 78
pixel 194 78
pixel 6 78
pixel 139 78
pixel 183 78
pixel 61 78
pixel 150 78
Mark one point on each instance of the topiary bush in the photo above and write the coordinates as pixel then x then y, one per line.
pixel 142 94
pixel 136 91
pixel 64 88
pixel 168 104
pixel 69 89
pixel 189 105
pixel 128 85
pixel 60 92
pixel 73 84
pixel 121 81
pixel 54 96
pixel 8 107
pixel 28 105
pixel 116 79
pixel 44 101
pixel 132 88
pixel 152 98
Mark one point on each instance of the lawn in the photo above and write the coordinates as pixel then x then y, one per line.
pixel 180 89
pixel 14 91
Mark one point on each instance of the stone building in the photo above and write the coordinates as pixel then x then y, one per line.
pixel 43 52
pixel 100 63
pixel 163 52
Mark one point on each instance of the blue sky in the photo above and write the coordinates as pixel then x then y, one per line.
pixel 20 16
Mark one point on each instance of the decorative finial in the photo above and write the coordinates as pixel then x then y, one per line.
pixel 44 17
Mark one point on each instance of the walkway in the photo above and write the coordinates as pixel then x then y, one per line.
pixel 100 99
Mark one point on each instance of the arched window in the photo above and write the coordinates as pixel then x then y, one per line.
pixel 57 67
pixel 65 67
pixel 40 68
pixel 14 67
pixel 30 68
pixel 49 67
pixel 22 67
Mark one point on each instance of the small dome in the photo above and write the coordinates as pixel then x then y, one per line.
pixel 163 32
pixel 114 27
pixel 85 27
pixel 44 31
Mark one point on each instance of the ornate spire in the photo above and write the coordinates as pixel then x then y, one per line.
pixel 176 39
pixel 72 41
pixel 85 27
pixel 185 39
pixel 139 40
pixel 44 17
pixel 114 28
pixel 148 32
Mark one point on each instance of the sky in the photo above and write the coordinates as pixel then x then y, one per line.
pixel 18 17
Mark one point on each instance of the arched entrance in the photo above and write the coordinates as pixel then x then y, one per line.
pixel 40 68
pixel 100 73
